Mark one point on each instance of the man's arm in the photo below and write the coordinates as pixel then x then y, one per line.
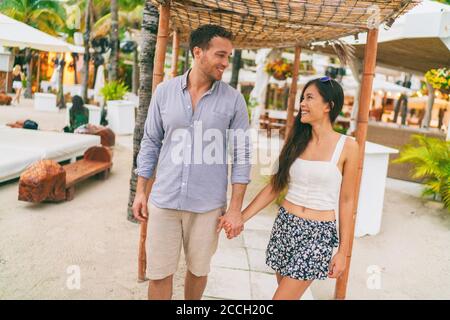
pixel 240 169
pixel 147 158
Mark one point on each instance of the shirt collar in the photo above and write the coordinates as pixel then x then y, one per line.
pixel 184 79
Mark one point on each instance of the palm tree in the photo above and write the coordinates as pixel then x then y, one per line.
pixel 149 34
pixel 114 40
pixel 86 40
pixel 45 15
pixel 130 18
pixel 236 67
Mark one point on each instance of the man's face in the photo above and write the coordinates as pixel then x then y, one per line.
pixel 215 59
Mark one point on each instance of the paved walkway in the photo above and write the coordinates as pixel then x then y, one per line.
pixel 238 268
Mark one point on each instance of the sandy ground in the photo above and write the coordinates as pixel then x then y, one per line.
pixel 43 246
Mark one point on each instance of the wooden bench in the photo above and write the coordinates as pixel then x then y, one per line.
pixel 46 180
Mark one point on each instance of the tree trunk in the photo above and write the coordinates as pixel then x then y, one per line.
pixel 114 57
pixel 186 60
pixel 135 83
pixel 86 56
pixel 427 118
pixel 60 96
pixel 147 55
pixel 357 69
pixel 236 67
pixel 75 59
pixel 28 94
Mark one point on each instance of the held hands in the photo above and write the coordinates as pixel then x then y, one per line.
pixel 232 223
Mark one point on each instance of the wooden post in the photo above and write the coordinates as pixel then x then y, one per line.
pixel 292 92
pixel 161 45
pixel 175 52
pixel 158 76
pixel 370 57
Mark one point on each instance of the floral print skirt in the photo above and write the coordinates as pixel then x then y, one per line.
pixel 300 248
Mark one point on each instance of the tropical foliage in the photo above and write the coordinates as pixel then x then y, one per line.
pixel 45 15
pixel 431 160
pixel 439 79
pixel 114 90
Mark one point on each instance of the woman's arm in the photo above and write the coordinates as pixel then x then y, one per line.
pixel 262 200
pixel 347 196
pixel 346 206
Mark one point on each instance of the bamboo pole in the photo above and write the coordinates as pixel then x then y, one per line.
pixel 292 92
pixel 161 45
pixel 370 57
pixel 158 76
pixel 175 52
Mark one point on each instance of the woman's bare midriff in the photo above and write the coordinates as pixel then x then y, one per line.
pixel 307 213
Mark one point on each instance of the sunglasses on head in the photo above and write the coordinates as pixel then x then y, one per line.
pixel 326 79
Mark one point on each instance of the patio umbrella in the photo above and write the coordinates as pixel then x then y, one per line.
pixel 350 85
pixel 14 33
pixel 417 42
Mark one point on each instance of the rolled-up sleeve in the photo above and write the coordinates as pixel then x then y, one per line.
pixel 151 142
pixel 241 143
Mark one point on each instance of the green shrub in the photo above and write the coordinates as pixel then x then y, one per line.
pixel 114 90
pixel 431 160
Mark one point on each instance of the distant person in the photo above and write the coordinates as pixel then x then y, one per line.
pixel 79 114
pixel 17 83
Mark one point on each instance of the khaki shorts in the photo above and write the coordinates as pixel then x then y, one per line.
pixel 169 229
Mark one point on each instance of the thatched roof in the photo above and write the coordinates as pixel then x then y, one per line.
pixel 282 23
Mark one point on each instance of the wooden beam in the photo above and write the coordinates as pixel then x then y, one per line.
pixel 158 76
pixel 292 93
pixel 370 57
pixel 175 52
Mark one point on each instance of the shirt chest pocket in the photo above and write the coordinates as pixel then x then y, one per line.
pixel 173 116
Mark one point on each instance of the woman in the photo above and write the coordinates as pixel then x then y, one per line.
pixel 319 167
pixel 79 114
pixel 17 82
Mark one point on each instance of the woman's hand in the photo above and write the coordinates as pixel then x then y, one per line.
pixel 337 265
pixel 229 229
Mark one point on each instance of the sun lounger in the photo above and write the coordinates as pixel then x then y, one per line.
pixel 19 148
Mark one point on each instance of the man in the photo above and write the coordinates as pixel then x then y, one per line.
pixel 188 192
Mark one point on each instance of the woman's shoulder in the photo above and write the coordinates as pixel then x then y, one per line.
pixel 351 147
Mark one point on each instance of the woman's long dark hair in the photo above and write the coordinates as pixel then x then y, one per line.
pixel 77 102
pixel 300 135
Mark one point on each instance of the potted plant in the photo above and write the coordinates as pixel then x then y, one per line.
pixel 439 79
pixel 121 113
pixel 280 69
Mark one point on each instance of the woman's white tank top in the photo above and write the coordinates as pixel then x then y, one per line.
pixel 316 184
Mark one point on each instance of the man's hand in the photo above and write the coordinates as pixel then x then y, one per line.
pixel 140 210
pixel 232 222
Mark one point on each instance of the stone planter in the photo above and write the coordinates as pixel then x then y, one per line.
pixel 121 116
